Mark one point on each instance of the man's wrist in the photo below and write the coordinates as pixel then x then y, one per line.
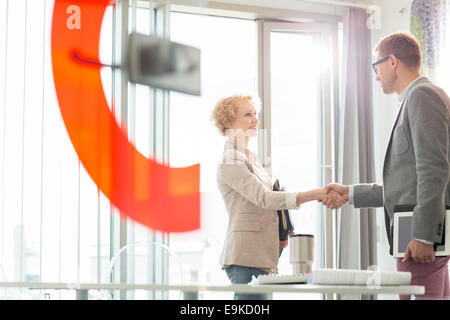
pixel 424 241
pixel 351 192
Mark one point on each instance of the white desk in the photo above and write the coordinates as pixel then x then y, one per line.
pixel 83 288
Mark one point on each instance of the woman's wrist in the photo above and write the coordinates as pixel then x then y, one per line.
pixel 298 199
pixel 307 196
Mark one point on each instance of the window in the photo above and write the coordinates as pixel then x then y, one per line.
pixel 296 125
pixel 54 223
pixel 299 74
pixel 299 98
pixel 229 65
pixel 55 226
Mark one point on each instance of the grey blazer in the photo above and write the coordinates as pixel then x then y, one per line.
pixel 416 167
pixel 252 237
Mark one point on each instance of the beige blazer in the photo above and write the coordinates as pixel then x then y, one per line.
pixel 252 236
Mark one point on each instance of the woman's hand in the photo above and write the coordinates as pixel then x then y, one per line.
pixel 326 195
pixel 283 244
pixel 330 198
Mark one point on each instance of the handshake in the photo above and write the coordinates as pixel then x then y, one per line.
pixel 333 196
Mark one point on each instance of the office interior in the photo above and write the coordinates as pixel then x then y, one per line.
pixel 57 226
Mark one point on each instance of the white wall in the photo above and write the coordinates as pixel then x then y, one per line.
pixel 385 109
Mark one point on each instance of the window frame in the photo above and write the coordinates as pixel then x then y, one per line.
pixel 327 30
pixel 326 33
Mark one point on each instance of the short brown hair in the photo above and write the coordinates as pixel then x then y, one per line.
pixel 403 45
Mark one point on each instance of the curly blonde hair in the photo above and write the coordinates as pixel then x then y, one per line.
pixel 225 110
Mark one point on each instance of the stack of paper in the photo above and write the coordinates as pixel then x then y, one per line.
pixel 360 277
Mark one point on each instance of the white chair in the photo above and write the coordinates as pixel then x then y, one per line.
pixel 9 293
pixel 144 263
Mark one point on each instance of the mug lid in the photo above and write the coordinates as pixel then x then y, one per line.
pixel 301 235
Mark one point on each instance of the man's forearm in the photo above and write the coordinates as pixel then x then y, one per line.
pixel 367 196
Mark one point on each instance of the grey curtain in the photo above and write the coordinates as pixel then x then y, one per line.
pixel 356 228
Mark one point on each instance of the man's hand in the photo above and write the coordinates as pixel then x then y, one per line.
pixel 419 251
pixel 335 191
pixel 330 198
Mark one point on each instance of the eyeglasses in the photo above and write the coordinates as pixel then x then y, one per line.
pixel 374 65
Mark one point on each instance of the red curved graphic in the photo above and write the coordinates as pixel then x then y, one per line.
pixel 157 196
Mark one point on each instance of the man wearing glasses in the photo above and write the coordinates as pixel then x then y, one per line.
pixel 416 167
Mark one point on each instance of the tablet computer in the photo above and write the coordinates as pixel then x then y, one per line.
pixel 402 234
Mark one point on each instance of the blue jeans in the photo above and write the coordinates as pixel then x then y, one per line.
pixel 243 275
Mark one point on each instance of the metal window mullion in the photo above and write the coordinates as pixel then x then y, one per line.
pixel 335 124
pixel 123 236
pixel 266 142
pixel 4 130
pixel 152 125
pixel 23 145
pixel 115 223
pixel 112 245
pixel 42 148
pixel 260 89
pixel 326 175
pixel 331 95
pixel 115 104
pixel 165 148
pixel 118 226
pixel 99 240
pixel 131 124
pixel 60 221
pixel 331 99
pixel 333 109
pixel 160 274
pixel 79 223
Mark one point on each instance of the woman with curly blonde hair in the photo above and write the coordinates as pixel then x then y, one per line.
pixel 252 242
